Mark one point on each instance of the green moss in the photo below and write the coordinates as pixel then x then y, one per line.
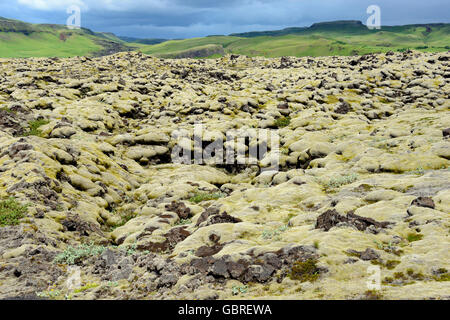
pixel 74 255
pixel 404 279
pixel 390 264
pixel 236 290
pixel 413 275
pixel 305 271
pixel 385 101
pixel 419 171
pixel 337 182
pixel 332 99
pixel 389 247
pixel 388 280
pixel 283 122
pixel 200 197
pixel 316 244
pixel 7 110
pixel 112 284
pixel 86 287
pixel 129 249
pixel 417 276
pixel 364 188
pixel 442 277
pixel 183 222
pixel 289 217
pixel 414 237
pixel 124 220
pixel 11 212
pixel 274 234
pixel 400 275
pixel 51 294
pixel 34 126
pixel 284 150
pixel 409 272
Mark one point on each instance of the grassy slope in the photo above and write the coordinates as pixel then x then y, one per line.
pixel 149 41
pixel 176 46
pixel 21 40
pixel 14 45
pixel 209 50
pixel 319 41
pixel 109 36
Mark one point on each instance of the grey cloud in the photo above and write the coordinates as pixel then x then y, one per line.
pixel 190 18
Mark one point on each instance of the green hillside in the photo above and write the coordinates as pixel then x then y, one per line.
pixel 20 39
pixel 329 38
pixel 142 41
pixel 209 50
pixel 177 46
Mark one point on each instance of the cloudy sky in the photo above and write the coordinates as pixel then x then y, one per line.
pixel 194 18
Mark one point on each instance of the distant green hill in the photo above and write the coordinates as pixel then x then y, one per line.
pixel 180 47
pixel 142 41
pixel 321 39
pixel 342 26
pixel 20 39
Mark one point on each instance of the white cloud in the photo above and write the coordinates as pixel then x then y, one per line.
pixel 183 18
pixel 103 5
pixel 49 5
pixel 119 5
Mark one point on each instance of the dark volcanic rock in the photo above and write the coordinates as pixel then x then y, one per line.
pixel 260 268
pixel 331 218
pixel 369 254
pixel 446 132
pixel 223 218
pixel 73 222
pixel 259 273
pixel 425 202
pixel 180 209
pixel 220 269
pixel 9 120
pixel 343 108
pixel 213 216
pixel 206 251
pixel 173 237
